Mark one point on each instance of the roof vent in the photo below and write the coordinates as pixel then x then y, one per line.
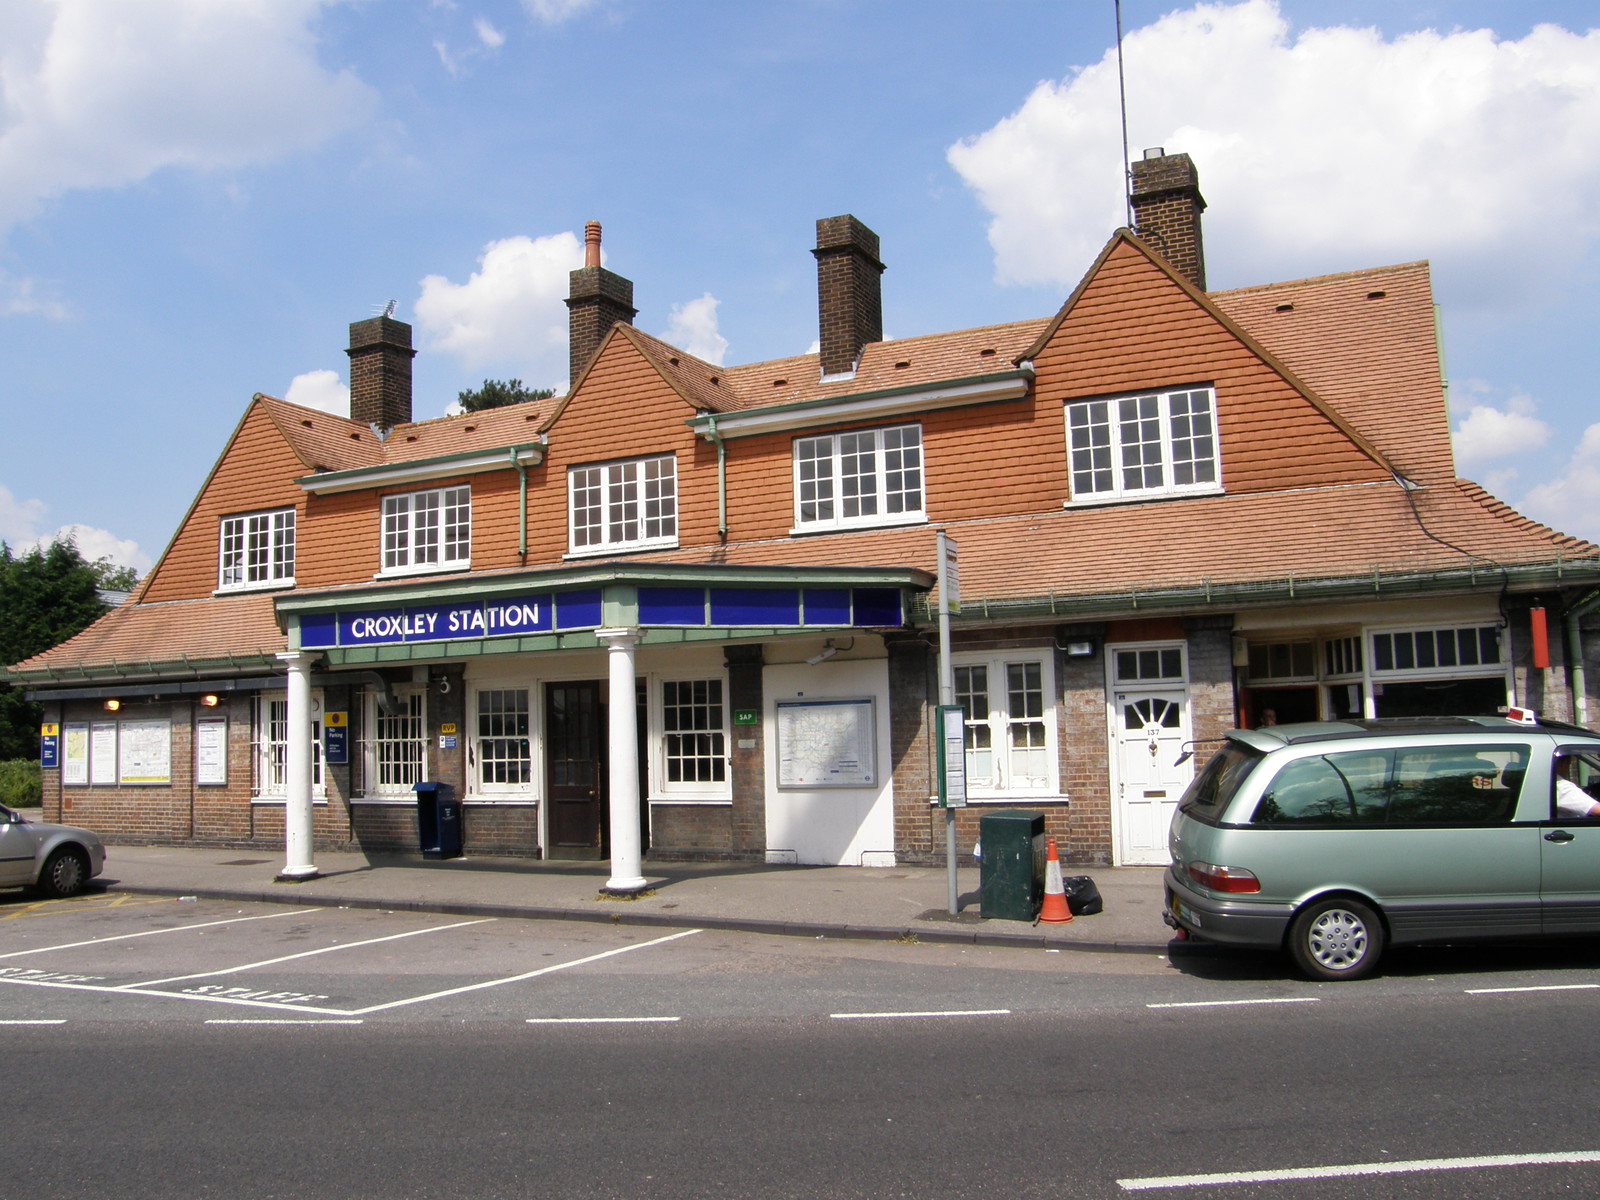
pixel 989 353
pixel 1376 295
pixel 1284 308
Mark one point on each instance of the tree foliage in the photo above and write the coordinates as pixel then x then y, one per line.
pixel 496 393
pixel 46 595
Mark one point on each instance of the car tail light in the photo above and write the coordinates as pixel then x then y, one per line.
pixel 1223 879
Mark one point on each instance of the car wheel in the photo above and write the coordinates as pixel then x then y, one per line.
pixel 65 872
pixel 1336 939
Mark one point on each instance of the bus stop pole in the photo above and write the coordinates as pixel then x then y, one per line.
pixel 947 694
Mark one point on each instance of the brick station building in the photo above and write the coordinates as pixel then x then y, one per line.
pixel 691 611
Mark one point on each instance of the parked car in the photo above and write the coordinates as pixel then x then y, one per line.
pixel 58 860
pixel 1333 840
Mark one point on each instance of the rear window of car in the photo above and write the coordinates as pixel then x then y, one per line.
pixel 1421 785
pixel 1208 794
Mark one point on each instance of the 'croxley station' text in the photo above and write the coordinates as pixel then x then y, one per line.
pixel 472 620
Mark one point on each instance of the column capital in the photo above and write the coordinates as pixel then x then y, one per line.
pixel 619 637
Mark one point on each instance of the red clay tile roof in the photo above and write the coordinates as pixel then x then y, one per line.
pixel 209 631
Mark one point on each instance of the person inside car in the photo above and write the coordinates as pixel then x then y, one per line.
pixel 1571 800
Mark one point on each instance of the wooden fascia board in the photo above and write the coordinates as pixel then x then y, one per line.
pixel 467 462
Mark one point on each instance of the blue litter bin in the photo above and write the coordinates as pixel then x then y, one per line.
pixel 438 820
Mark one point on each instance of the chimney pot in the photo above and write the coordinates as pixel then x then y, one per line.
pixel 591 244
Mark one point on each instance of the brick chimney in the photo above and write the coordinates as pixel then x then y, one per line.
pixel 597 299
pixel 380 372
pixel 849 292
pixel 1166 211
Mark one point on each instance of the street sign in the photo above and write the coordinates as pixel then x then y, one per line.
pixel 952 756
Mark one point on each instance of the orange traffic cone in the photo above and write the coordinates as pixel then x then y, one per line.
pixel 1055 896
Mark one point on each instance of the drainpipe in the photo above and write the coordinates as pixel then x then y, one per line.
pixel 1580 699
pixel 722 476
pixel 522 506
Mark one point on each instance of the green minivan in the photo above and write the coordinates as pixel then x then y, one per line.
pixel 1335 839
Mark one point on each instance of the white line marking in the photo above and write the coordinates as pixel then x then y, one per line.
pixel 489 983
pixel 120 991
pixel 1236 1003
pixel 602 1020
pixel 121 937
pixel 1356 1169
pixel 32 1022
pixel 269 962
pixel 1549 987
pixel 281 1021
pixel 887 1016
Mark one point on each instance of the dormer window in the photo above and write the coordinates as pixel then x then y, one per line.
pixel 257 551
pixel 862 478
pixel 623 505
pixel 427 531
pixel 1132 447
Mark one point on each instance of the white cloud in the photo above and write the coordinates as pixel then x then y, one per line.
pixel 21 298
pixel 510 314
pixel 553 12
pixel 322 390
pixel 693 327
pixel 1487 433
pixel 102 93
pixel 22 528
pixel 1570 502
pixel 488 34
pixel 1320 151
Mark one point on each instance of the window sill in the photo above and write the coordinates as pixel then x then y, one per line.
pixel 407 800
pixel 1013 798
pixel 1140 497
pixel 243 589
pixel 280 801
pixel 489 800
pixel 628 548
pixel 859 526
pixel 691 801
pixel 428 569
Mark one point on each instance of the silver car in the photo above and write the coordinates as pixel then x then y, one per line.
pixel 58 860
pixel 1332 840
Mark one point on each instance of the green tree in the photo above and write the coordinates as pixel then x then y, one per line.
pixel 46 595
pixel 496 393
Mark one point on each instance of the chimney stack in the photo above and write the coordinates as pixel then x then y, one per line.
pixel 849 292
pixel 597 299
pixel 1166 211
pixel 380 371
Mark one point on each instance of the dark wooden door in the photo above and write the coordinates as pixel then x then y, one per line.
pixel 574 727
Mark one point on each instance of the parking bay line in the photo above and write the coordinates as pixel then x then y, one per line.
pixel 1548 987
pixel 1238 1003
pixel 1354 1170
pixel 122 937
pixel 269 962
pixel 889 1016
pixel 283 1021
pixel 601 1020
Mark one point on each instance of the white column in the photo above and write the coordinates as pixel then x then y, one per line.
pixel 623 771
pixel 297 804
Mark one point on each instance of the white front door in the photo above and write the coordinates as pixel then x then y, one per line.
pixel 1151 729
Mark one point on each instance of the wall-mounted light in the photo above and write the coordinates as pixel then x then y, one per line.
pixel 113 704
pixel 209 700
pixel 828 651
pixel 1080 649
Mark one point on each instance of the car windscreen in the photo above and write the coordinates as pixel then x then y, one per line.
pixel 1218 780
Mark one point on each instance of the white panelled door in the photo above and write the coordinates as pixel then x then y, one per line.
pixel 1151 730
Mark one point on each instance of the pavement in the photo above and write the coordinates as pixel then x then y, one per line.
pixel 895 903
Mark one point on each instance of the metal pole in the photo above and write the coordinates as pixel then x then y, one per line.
pixel 947 694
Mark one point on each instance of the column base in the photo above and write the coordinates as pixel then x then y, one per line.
pixel 625 887
pixel 296 875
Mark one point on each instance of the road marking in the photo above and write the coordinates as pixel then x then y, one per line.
pixel 1358 1169
pixel 1549 987
pixel 1237 1003
pixel 489 983
pixel 47 908
pixel 122 937
pixel 282 1021
pixel 602 1020
pixel 886 1016
pixel 32 1022
pixel 269 962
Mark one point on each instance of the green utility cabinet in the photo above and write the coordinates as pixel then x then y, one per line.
pixel 1011 866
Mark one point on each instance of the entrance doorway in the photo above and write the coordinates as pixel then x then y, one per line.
pixel 575 769
pixel 1151 730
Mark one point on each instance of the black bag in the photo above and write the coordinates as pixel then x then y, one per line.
pixel 1083 898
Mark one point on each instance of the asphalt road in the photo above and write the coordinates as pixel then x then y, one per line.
pixel 155 1048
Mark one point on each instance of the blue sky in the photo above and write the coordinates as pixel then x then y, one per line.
pixel 196 198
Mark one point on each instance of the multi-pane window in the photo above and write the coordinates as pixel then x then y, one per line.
pixel 1436 649
pixel 624 505
pixel 1157 664
pixel 1007 708
pixel 1282 660
pixel 693 732
pixel 1156 444
pixel 257 550
pixel 427 529
pixel 503 748
pixel 271 759
pixel 866 477
pixel 395 752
